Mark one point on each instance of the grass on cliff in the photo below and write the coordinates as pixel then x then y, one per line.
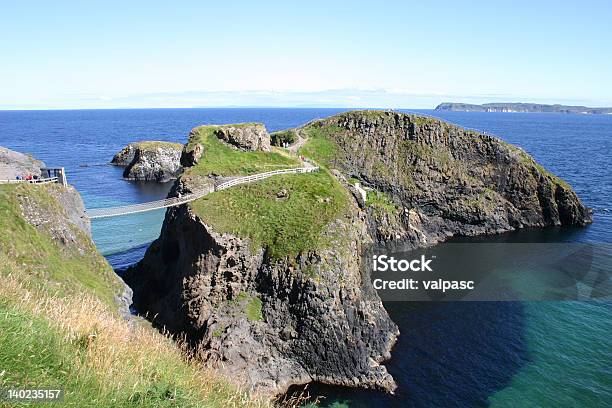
pixel 285 214
pixel 220 159
pixel 381 202
pixel 321 146
pixel 59 328
pixel 154 144
pixel 62 269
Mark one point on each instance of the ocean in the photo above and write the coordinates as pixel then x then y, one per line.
pixel 450 354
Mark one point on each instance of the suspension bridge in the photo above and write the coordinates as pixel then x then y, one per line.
pixel 174 201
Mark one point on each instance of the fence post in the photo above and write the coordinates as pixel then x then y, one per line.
pixel 63 177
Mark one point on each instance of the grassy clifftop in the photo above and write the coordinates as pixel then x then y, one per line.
pixel 284 214
pixel 154 144
pixel 59 325
pixel 222 160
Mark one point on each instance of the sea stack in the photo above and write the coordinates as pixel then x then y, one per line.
pixel 150 161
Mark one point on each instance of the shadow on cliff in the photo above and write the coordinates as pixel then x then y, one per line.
pixel 450 354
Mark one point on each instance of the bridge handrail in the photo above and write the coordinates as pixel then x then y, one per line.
pixel 33 181
pixel 173 201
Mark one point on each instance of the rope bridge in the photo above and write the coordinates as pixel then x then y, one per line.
pixel 174 201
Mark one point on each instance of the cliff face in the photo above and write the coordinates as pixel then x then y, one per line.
pixel 443 180
pixel 265 279
pixel 263 313
pixel 150 161
pixel 45 225
pixel 268 323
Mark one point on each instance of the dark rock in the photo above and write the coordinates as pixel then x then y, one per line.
pixel 126 156
pixel 447 180
pixel 321 321
pixel 191 155
pixel 282 194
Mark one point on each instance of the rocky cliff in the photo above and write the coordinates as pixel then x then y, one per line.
pixel 13 164
pixel 430 180
pixel 57 212
pixel 265 279
pixel 280 302
pixel 245 136
pixel 150 161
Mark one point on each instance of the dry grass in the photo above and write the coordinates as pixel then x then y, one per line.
pixel 126 359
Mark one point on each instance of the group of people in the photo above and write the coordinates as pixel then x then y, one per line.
pixel 28 177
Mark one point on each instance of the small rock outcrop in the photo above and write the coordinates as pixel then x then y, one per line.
pixel 150 161
pixel 191 154
pixel 14 164
pixel 245 136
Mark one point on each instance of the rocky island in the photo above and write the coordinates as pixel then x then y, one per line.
pixel 150 161
pixel 521 107
pixel 264 280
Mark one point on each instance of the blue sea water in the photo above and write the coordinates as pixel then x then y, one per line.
pixel 453 354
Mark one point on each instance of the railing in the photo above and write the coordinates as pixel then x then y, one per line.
pixel 261 176
pixel 174 201
pixel 32 181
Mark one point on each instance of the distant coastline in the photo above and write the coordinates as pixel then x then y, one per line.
pixel 521 107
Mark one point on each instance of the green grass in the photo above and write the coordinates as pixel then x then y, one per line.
pixel 380 201
pixel 59 326
pixel 49 264
pixel 253 309
pixel 220 159
pixel 153 144
pixel 320 145
pixel 34 353
pixel 284 227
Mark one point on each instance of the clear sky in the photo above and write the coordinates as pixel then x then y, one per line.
pixel 400 54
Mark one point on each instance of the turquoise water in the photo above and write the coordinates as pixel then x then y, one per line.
pixel 569 357
pixel 463 354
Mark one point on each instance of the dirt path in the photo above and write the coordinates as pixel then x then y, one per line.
pixel 299 143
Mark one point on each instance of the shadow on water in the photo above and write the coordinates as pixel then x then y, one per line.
pixel 120 261
pixel 451 354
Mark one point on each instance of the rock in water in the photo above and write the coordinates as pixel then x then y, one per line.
pixel 245 136
pixel 150 161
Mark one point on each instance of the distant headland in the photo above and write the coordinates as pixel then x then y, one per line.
pixel 521 107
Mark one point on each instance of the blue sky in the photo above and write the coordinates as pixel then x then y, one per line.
pixel 396 54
